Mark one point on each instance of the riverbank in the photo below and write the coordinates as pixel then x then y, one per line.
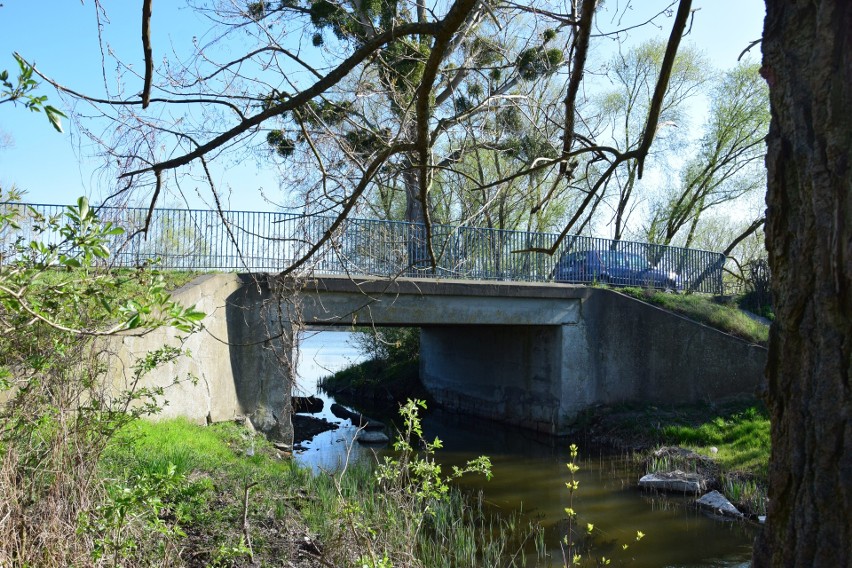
pixel 186 495
pixel 728 444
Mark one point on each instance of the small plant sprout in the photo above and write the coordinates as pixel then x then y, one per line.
pixel 577 545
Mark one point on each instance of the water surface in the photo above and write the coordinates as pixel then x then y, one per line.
pixel 530 475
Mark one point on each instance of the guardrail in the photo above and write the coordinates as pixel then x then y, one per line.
pixel 269 242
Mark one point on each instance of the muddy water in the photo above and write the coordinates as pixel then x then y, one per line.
pixel 530 474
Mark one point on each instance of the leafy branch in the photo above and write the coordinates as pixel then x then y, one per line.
pixel 22 90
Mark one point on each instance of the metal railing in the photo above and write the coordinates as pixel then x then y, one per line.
pixel 269 242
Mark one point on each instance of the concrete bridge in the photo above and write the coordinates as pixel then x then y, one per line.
pixel 529 354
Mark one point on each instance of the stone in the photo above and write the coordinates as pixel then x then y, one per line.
pixel 718 503
pixel 372 437
pixel 357 419
pixel 676 481
pixel 307 404
pixel 306 427
pixel 263 419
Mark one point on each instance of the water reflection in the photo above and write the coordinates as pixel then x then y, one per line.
pixel 530 474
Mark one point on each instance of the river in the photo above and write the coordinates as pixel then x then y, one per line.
pixel 530 474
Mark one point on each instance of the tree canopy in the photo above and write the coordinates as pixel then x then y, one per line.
pixel 464 110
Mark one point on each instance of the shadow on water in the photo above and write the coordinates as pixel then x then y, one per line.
pixel 530 475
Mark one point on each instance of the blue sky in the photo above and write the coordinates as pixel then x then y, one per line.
pixel 60 37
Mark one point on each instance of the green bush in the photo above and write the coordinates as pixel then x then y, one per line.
pixel 389 344
pixel 58 408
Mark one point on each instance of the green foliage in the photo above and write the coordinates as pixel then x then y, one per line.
pixel 228 555
pixel 58 298
pixel 390 371
pixel 738 441
pixel 538 61
pixel 144 504
pixel 485 51
pixel 22 90
pixel 413 484
pixel 578 541
pixel 354 516
pixel 728 163
pixel 279 142
pixel 511 119
pixel 416 473
pixel 389 344
pixel 405 60
pixel 742 439
pixel 364 142
pixel 256 10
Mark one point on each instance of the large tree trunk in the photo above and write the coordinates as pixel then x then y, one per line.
pixel 807 49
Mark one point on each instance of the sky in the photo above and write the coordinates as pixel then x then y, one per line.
pixel 60 37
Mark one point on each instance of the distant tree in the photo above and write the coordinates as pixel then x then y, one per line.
pixel 623 110
pixel 728 164
pixel 377 100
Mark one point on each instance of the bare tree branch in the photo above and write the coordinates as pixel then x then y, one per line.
pixel 369 173
pixel 744 235
pixel 581 50
pixel 456 16
pixel 149 55
pixel 329 80
pixel 683 11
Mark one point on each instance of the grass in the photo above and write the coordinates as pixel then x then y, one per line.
pixel 739 444
pixel 705 310
pixel 238 499
pixel 742 440
pixel 732 440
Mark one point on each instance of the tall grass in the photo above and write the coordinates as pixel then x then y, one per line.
pixel 351 514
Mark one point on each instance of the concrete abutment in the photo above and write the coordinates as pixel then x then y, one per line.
pixel 526 354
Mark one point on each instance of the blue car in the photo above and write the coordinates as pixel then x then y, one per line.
pixel 616 268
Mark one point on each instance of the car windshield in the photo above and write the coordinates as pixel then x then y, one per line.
pixel 616 259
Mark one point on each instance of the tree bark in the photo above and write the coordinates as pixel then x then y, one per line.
pixel 807 62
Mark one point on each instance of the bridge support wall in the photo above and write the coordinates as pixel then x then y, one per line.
pixel 619 350
pixel 236 366
pixel 506 373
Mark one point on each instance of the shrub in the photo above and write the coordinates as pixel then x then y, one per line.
pixel 58 296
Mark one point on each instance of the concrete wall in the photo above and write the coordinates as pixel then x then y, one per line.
pixel 643 353
pixel 506 373
pixel 529 354
pixel 618 350
pixel 234 365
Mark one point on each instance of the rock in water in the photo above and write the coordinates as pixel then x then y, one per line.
pixel 372 437
pixel 358 420
pixel 718 503
pixel 307 404
pixel 677 481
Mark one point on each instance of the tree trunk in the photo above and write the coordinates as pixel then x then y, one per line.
pixel 807 49
pixel 418 253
